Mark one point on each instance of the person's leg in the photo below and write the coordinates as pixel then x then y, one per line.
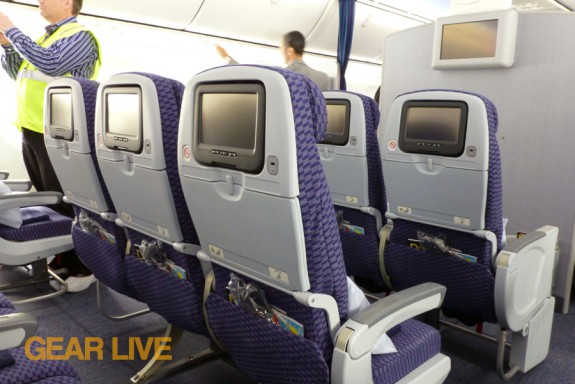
pixel 41 167
pixel 45 179
pixel 30 160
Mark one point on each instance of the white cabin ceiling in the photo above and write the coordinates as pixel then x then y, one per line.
pixel 265 21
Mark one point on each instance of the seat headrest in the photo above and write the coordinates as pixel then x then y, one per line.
pixel 301 87
pixel 288 100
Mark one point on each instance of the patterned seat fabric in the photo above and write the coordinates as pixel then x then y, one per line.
pixel 266 352
pixel 361 252
pixel 55 225
pixel 5 303
pixel 178 301
pixel 104 258
pixel 470 286
pixel 25 371
pixel 416 343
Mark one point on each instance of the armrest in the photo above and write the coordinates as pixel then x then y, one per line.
pixel 376 214
pixel 524 277
pixel 351 362
pixel 26 199
pixel 384 314
pixel 19 185
pixel 15 328
pixel 516 244
pixel 4 175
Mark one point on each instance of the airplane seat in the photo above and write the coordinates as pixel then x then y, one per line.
pixel 352 164
pixel 15 185
pixel 4 302
pixel 136 128
pixel 15 366
pixel 254 184
pixel 70 105
pixel 442 171
pixel 29 234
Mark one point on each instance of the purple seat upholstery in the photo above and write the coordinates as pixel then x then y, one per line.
pixel 178 301
pixel 104 258
pixel 268 353
pixel 361 252
pixel 5 303
pixel 25 371
pixel 470 286
pixel 54 225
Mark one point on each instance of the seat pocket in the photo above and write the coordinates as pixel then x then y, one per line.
pixel 177 300
pixel 103 258
pixel 265 351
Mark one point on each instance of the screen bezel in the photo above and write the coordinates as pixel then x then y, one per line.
pixel 339 139
pixel 57 131
pixel 505 41
pixel 242 159
pixel 118 141
pixel 437 148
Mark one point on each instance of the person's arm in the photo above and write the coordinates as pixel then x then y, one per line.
pixel 4 41
pixel 77 52
pixel 10 59
pixel 224 55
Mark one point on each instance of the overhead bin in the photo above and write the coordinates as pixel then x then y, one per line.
pixel 323 38
pixel 175 14
pixel 371 27
pixel 569 4
pixel 259 21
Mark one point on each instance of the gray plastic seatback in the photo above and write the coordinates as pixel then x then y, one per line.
pixel 250 223
pixel 126 174
pixel 428 182
pixel 345 166
pixel 72 160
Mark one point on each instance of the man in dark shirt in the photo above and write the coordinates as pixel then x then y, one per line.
pixel 292 47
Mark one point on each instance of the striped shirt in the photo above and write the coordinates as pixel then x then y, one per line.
pixel 76 54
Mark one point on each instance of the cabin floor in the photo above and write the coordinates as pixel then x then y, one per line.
pixel 76 315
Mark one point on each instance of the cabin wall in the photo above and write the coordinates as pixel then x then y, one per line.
pixel 536 119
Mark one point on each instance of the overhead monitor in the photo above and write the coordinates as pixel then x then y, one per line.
pixel 229 125
pixel 123 117
pixel 433 127
pixel 338 112
pixel 60 115
pixel 485 40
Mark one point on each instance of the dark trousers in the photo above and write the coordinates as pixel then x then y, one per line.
pixel 40 169
pixel 44 178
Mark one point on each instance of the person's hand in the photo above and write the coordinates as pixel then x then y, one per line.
pixel 221 51
pixel 4 40
pixel 5 23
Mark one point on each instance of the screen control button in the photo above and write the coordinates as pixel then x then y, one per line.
pixel 272 164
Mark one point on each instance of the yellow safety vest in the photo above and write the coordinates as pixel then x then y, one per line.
pixel 31 83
